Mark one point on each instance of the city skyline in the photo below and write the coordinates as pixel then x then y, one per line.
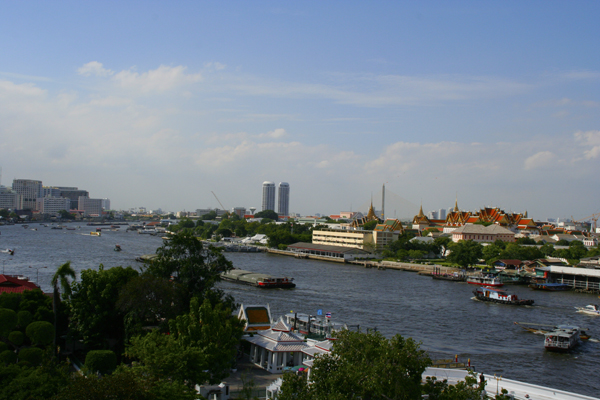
pixel 162 105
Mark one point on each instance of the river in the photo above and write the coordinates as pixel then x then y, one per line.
pixel 441 315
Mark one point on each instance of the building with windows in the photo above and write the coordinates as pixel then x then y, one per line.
pixel 90 207
pixel 74 194
pixel 268 196
pixel 283 199
pixel 29 190
pixel 358 239
pixel 52 205
pixel 482 233
pixel 9 199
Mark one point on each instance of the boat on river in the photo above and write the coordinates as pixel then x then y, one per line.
pixel 485 280
pixel 562 339
pixel 446 276
pixel 262 281
pixel 118 247
pixel 549 286
pixel 499 296
pixel 590 309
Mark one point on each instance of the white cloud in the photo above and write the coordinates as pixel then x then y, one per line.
pixel 591 141
pixel 275 134
pixel 539 160
pixel 162 79
pixel 94 68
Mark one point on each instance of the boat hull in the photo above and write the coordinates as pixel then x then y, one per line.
pixel 499 301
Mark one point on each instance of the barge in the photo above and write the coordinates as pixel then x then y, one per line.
pixel 263 281
pixel 499 296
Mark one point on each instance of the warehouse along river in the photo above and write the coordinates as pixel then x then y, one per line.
pixel 440 314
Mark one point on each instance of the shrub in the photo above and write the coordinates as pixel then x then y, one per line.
pixel 8 357
pixel 10 300
pixel 40 332
pixel 31 355
pixel 8 320
pixel 3 346
pixel 17 337
pixel 103 361
pixel 24 318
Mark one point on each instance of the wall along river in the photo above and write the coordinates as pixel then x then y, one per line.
pixel 441 315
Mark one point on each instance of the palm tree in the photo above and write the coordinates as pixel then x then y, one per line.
pixel 61 276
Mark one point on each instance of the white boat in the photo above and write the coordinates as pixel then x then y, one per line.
pixel 563 338
pixel 485 280
pixel 320 325
pixel 590 309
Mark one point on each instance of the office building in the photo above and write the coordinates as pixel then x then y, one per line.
pixel 9 199
pixel 90 207
pixel 52 205
pixel 283 199
pixel 268 197
pixel 29 190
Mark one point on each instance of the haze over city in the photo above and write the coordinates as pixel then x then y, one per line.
pixel 160 104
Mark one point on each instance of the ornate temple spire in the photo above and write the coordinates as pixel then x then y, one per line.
pixel 421 211
pixel 456 204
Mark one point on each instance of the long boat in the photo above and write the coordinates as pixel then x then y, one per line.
pixel 499 296
pixel 551 287
pixel 263 281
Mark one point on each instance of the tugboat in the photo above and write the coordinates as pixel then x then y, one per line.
pixel 500 296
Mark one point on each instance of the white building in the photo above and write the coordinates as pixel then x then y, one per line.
pixel 283 199
pixel 268 196
pixel 29 190
pixel 52 205
pixel 90 207
pixel 9 199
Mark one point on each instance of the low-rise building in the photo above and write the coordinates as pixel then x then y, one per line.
pixel 482 233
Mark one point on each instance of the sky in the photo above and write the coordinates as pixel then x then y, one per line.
pixel 159 104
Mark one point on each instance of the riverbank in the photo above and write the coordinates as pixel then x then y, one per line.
pixel 423 269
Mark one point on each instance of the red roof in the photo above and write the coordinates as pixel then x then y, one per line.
pixel 13 284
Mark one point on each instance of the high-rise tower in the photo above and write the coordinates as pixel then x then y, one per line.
pixel 283 202
pixel 268 198
pixel 29 190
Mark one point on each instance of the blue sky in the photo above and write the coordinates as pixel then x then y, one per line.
pixel 157 104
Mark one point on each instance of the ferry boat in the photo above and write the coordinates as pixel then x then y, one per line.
pixel 262 281
pixel 499 296
pixel 562 339
pixel 485 280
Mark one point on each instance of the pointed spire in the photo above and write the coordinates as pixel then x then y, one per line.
pixel 421 211
pixel 456 204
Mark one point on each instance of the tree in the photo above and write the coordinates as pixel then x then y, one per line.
pixel 185 260
pixel 95 318
pixel 61 276
pixel 149 300
pixel 369 226
pixel 465 253
pixel 270 214
pixel 64 214
pixel 199 348
pixel 365 366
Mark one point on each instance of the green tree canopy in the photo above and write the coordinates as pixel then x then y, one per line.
pixel 95 318
pixel 199 348
pixel 187 261
pixel 364 366
pixel 465 253
pixel 270 214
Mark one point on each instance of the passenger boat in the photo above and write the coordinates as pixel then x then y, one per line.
pixel 552 287
pixel 590 309
pixel 485 280
pixel 499 296
pixel 262 281
pixel 454 276
pixel 562 339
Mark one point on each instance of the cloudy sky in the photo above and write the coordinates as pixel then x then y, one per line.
pixel 158 104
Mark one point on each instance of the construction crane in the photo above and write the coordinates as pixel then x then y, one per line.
pixel 593 217
pixel 224 209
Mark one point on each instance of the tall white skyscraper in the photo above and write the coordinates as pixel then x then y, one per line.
pixel 268 199
pixel 283 203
